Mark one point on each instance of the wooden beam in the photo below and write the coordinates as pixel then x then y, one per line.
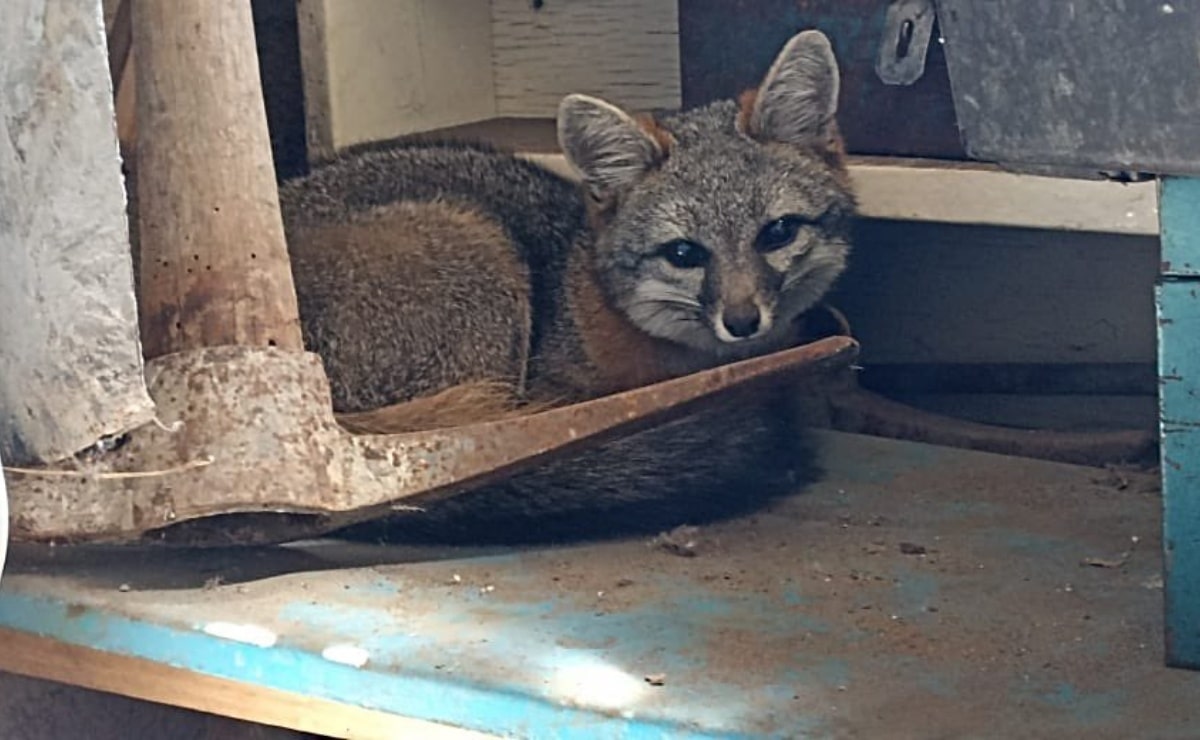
pixel 214 265
pixel 985 195
pixel 41 657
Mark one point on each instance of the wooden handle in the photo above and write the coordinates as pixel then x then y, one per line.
pixel 214 264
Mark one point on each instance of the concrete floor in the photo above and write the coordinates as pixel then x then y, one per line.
pixel 918 592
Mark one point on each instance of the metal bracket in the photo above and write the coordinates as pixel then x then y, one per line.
pixel 907 30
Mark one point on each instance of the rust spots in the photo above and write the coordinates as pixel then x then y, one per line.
pixel 23 524
pixel 373 454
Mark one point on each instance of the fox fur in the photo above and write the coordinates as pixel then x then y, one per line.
pixel 449 283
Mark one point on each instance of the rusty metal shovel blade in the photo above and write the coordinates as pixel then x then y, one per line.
pixel 477 454
pixel 251 431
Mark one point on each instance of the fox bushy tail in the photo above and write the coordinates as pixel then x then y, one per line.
pixel 727 459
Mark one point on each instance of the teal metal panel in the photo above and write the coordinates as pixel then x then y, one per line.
pixel 1179 225
pixel 1179 406
pixel 1178 306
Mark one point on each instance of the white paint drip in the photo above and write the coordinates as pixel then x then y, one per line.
pixel 350 655
pixel 247 633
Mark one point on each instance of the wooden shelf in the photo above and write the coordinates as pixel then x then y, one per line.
pixel 977 193
pixel 916 189
pixel 945 192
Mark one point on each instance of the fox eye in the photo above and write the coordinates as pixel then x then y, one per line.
pixel 684 254
pixel 779 233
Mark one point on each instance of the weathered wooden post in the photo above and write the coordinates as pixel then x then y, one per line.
pixel 214 263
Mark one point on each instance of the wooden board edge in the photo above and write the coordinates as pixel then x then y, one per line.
pixel 926 190
pixel 314 65
pixel 44 658
pixel 986 195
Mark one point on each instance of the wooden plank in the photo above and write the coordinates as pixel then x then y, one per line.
pixel 378 69
pixel 626 51
pixel 36 709
pixel 42 657
pixel 314 67
pixel 1178 302
pixel 979 194
pixel 905 189
pixel 987 195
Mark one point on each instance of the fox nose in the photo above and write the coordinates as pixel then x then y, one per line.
pixel 742 321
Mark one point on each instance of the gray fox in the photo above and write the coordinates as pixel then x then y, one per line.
pixel 447 283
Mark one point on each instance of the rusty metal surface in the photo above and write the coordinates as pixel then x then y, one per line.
pixel 251 430
pixel 916 592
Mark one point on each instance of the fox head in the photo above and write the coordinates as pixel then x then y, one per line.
pixel 715 228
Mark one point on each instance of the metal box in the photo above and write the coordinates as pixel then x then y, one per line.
pixel 1102 85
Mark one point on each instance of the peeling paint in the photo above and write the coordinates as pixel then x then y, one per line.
pixel 350 655
pixel 247 633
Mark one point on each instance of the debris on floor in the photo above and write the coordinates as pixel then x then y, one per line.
pixel 818 616
pixel 682 541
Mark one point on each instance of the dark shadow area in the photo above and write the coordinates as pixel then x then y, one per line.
pixel 277 36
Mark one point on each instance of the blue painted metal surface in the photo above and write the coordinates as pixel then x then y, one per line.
pixel 291 668
pixel 1178 305
pixel 1179 226
pixel 915 592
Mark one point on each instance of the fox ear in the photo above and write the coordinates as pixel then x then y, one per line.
pixel 609 149
pixel 797 100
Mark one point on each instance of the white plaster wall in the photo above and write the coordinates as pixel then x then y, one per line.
pixel 378 69
pixel 70 359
